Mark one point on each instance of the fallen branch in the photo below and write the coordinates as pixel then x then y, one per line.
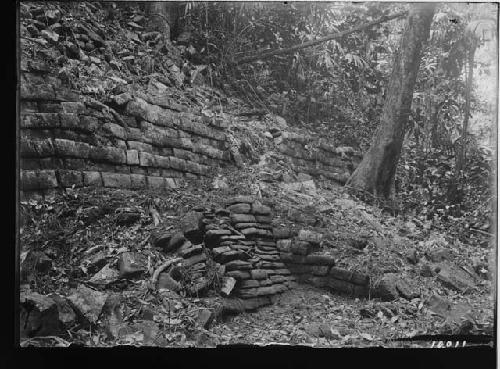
pixel 161 268
pixel 362 27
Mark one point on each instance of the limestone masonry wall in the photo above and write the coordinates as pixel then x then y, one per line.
pixel 317 157
pixel 66 140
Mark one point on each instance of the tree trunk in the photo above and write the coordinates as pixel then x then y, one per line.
pixel 463 139
pixel 162 16
pixel 375 174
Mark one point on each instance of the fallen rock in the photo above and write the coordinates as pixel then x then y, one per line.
pixel 65 313
pixel 127 218
pixel 439 255
pixel 144 332
pixel 35 262
pixel 412 256
pixel 112 315
pixel 427 271
pixel 187 250
pixel 191 225
pixel 194 260
pixel 105 276
pixel 176 241
pixel 131 264
pixel 391 286
pixel 228 284
pixel 204 318
pixel 39 315
pixel 87 303
pixel 459 316
pixel 322 330
pixel 454 277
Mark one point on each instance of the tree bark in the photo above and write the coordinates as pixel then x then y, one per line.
pixel 376 172
pixel 161 17
pixel 465 126
pixel 266 55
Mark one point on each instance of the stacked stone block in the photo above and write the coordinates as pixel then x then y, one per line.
pixel 304 259
pixel 240 238
pixel 66 139
pixel 318 158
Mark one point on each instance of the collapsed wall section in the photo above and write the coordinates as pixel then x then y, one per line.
pixel 317 157
pixel 146 141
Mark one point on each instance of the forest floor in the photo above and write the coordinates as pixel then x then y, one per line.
pixel 304 315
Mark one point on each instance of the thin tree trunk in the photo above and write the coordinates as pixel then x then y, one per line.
pixel 375 174
pixel 465 126
pixel 266 55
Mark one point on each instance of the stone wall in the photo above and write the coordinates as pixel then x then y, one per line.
pixel 145 140
pixel 317 157
pixel 303 258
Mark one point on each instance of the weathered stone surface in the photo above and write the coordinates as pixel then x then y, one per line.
pixel 137 181
pixel 218 232
pixel 242 218
pixel 239 208
pixel 250 283
pixel 350 276
pixel 38 315
pixel 269 257
pixel 261 291
pixel 427 270
pixel 40 120
pixel 187 250
pixel 291 258
pixel 454 277
pixel 386 288
pixel 240 199
pixel 301 247
pixel 115 130
pixel 238 265
pixel 68 178
pixel 265 219
pixel 108 154
pixel 238 274
pixel 157 183
pixel 105 276
pixel 92 178
pixel 116 180
pixel 258 274
pixel 132 157
pixel 252 231
pixel 38 179
pixel 34 262
pixel 228 284
pixel 309 236
pixel 319 259
pixel 279 271
pixel 63 147
pixel 87 302
pixel 176 241
pixel 131 264
pixel 439 255
pixel 191 224
pixel 240 226
pixel 36 148
pixel 299 268
pixel 194 260
pixel 260 209
pixel 320 270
